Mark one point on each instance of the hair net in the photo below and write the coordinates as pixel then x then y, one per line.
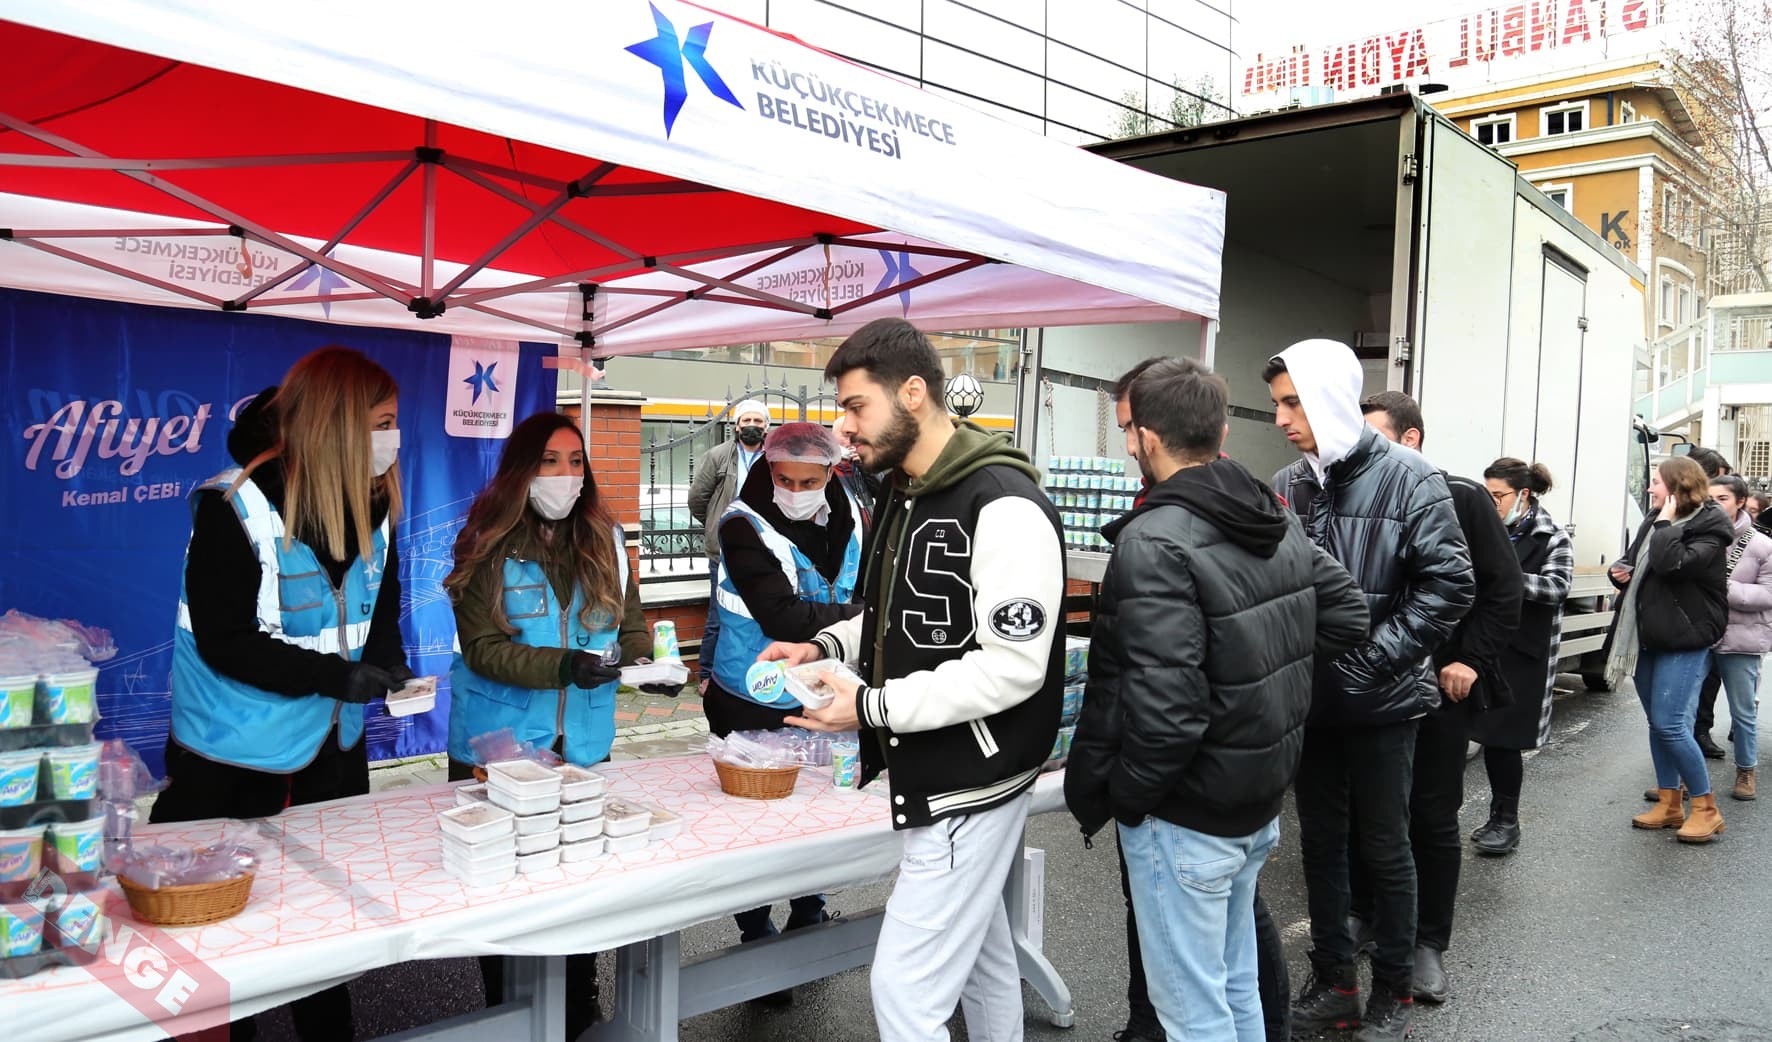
pixel 802 443
pixel 748 407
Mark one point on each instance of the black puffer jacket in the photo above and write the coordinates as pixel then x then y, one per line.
pixel 1210 616
pixel 1683 604
pixel 1385 513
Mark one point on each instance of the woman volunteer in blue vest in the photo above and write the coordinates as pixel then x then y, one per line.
pixel 542 591
pixel 790 545
pixel 289 617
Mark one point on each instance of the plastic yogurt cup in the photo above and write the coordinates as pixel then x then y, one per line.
pixel 21 930
pixel 70 696
pixel 21 853
pixel 80 843
pixel 80 922
pixel 18 696
pixel 73 772
pixel 18 777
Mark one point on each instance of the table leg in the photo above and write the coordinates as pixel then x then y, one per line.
pixel 1036 969
pixel 646 993
pixel 541 983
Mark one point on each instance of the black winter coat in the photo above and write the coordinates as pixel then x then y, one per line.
pixel 1482 635
pixel 1683 603
pixel 1212 612
pixel 1385 513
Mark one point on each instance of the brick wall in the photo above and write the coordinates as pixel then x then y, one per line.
pixel 612 431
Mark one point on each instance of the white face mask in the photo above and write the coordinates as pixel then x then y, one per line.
pixel 800 506
pixel 384 448
pixel 554 498
pixel 1521 505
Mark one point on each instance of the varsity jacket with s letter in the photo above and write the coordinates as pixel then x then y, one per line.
pixel 961 640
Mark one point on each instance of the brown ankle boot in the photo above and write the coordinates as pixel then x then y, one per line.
pixel 1666 814
pixel 1744 784
pixel 1653 795
pixel 1704 823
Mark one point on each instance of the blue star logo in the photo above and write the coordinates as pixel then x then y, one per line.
pixel 481 381
pixel 328 280
pixel 898 272
pixel 670 56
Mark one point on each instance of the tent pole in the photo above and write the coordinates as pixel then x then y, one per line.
pixel 1208 341
pixel 426 263
pixel 375 200
pixel 121 272
pixel 211 163
pixel 974 262
pixel 1027 392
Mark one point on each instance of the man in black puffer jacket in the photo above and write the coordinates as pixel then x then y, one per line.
pixel 1386 514
pixel 1210 615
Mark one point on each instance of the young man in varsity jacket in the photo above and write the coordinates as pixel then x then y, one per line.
pixel 963 666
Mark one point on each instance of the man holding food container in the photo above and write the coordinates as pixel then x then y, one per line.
pixel 961 679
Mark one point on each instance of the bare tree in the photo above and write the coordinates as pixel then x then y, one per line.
pixel 1190 106
pixel 1724 66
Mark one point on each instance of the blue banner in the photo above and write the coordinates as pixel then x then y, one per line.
pixel 114 412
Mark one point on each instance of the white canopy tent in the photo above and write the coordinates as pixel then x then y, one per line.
pixel 629 175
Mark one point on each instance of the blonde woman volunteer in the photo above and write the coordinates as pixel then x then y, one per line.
pixel 289 617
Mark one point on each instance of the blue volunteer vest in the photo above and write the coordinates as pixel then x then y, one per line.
pixel 478 705
pixel 231 722
pixel 741 638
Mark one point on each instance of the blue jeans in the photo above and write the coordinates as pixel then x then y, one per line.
pixel 1741 682
pixel 1667 685
pixel 1195 899
pixel 704 659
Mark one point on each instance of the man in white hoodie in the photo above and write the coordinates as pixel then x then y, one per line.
pixel 1386 514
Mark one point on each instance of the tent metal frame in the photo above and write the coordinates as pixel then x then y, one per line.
pixel 428 298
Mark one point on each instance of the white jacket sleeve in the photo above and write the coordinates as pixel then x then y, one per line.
pixel 1016 557
pixel 841 640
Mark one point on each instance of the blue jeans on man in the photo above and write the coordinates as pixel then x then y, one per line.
pixel 1667 685
pixel 704 658
pixel 1195 898
pixel 1741 682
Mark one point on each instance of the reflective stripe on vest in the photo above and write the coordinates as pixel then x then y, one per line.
pixel 480 705
pixel 741 637
pixel 232 722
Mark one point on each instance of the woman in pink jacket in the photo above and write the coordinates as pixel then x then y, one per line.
pixel 1736 658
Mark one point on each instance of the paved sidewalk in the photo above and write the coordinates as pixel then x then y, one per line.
pixel 646 727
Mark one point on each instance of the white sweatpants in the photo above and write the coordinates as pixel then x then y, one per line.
pixel 945 937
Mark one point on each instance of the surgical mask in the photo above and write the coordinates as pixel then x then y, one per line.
pixel 384 448
pixel 553 498
pixel 800 506
pixel 1519 510
pixel 752 436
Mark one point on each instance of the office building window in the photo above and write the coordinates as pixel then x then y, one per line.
pixel 1563 119
pixel 1665 313
pixel 1563 195
pixel 1627 113
pixel 1493 130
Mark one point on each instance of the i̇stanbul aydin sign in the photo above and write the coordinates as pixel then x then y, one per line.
pixel 1497 43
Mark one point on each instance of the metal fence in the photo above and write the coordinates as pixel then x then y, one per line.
pixel 670 538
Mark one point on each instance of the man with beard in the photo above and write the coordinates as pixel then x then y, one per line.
pixel 1142 1024
pixel 717 483
pixel 963 679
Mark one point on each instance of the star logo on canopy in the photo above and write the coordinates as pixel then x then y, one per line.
pixel 481 381
pixel 670 55
pixel 328 280
pixel 898 272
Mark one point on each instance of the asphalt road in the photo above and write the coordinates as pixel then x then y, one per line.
pixel 1592 932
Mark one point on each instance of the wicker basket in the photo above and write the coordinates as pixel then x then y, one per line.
pixel 754 783
pixel 197 904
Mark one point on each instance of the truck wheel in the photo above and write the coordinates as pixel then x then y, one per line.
pixel 1595 682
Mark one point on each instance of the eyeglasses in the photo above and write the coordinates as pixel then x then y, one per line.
pixel 1502 497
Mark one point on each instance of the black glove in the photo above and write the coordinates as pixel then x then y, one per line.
pixel 365 682
pixel 673 690
pixel 588 670
pixel 401 674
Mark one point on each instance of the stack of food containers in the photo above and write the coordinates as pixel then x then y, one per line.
pixel 581 813
pixel 532 793
pixel 625 826
pixel 479 844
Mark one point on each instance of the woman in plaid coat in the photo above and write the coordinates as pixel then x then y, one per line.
pixel 1529 662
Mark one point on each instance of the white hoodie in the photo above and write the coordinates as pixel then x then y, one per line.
pixel 1329 381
